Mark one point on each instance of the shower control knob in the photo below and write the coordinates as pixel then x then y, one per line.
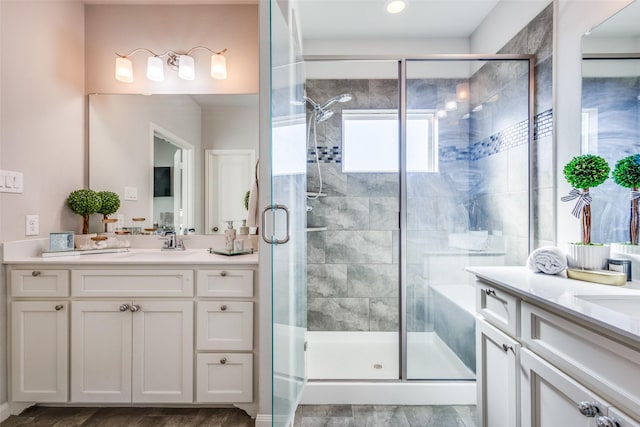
pixel 588 409
pixel 606 422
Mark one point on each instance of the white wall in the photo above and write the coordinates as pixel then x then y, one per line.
pixel 572 19
pixel 229 127
pixel 122 28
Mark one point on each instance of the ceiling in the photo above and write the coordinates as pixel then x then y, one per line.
pixel 622 24
pixel 366 19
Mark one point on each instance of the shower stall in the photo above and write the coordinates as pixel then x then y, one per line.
pixel 419 171
pixel 398 173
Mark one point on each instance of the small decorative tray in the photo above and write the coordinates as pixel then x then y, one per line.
pixel 230 253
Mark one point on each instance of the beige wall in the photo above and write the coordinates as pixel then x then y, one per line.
pixel 112 28
pixel 43 112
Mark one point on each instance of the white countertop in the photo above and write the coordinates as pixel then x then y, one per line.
pixel 562 294
pixel 29 252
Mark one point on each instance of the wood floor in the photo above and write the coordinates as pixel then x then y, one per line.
pixel 124 417
pixel 306 416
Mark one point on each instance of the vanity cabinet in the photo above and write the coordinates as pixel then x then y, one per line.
pixel 132 351
pixel 39 351
pixel 131 334
pixel 537 367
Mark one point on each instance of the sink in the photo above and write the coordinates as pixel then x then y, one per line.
pixel 628 305
pixel 157 254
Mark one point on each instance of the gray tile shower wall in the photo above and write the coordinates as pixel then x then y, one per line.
pixel 353 266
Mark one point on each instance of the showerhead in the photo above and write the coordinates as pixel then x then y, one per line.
pixel 321 112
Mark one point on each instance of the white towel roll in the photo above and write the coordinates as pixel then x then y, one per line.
pixel 547 260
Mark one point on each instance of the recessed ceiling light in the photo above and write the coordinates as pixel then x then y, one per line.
pixel 395 6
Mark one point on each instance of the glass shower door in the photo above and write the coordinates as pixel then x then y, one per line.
pixel 466 200
pixel 284 220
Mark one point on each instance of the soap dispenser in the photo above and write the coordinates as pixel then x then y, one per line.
pixel 229 236
pixel 243 230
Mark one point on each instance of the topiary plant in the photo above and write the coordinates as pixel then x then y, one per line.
pixel 84 202
pixel 582 173
pixel 246 199
pixel 626 173
pixel 110 204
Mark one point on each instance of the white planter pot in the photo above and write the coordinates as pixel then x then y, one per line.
pixel 592 257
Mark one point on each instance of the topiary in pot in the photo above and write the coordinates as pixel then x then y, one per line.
pixel 84 202
pixel 110 204
pixel 246 199
pixel 626 173
pixel 582 173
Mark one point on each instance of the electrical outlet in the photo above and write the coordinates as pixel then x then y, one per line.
pixel 32 225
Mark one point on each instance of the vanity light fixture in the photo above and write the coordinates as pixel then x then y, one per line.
pixel 183 63
pixel 395 6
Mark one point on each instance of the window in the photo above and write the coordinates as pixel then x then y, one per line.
pixel 370 141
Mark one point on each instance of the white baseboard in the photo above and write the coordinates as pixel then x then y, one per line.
pixel 263 420
pixel 5 411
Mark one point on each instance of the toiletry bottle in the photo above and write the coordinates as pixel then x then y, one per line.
pixel 229 236
pixel 243 230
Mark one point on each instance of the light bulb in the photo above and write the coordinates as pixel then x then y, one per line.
pixel 155 69
pixel 124 70
pixel 186 68
pixel 218 67
pixel 395 6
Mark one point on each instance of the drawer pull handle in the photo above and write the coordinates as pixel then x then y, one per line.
pixel 588 409
pixel 223 361
pixel 59 307
pixel 606 422
pixel 223 307
pixel 223 273
pixel 124 307
pixel 35 273
pixel 490 292
pixel 506 348
pixel 135 308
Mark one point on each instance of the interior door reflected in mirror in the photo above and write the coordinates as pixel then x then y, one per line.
pixel 611 113
pixel 150 150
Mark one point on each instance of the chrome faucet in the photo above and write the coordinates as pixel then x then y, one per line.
pixel 172 242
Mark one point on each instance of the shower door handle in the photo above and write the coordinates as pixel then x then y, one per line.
pixel 272 240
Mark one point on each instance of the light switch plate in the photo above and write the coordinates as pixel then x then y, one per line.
pixel 10 182
pixel 131 193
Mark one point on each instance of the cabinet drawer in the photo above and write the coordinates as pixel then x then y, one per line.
pixel 224 378
pixel 225 325
pixel 499 308
pixel 133 283
pixel 39 283
pixel 592 358
pixel 225 283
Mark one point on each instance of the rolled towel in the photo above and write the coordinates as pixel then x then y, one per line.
pixel 547 260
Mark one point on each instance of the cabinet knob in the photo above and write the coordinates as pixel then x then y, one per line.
pixel 215 228
pixel 124 307
pixel 135 308
pixel 59 307
pixel 588 409
pixel 606 422
pixel 223 361
pixel 506 348
pixel 223 307
pixel 35 273
pixel 490 292
pixel 223 273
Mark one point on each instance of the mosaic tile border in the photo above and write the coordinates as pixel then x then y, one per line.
pixel 506 139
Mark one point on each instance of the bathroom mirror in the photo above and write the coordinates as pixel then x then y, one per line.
pixel 152 150
pixel 610 113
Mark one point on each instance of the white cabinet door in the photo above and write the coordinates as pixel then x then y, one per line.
pixel 100 351
pixel 497 377
pixel 225 325
pixel 162 351
pixel 225 378
pixel 39 356
pixel 552 399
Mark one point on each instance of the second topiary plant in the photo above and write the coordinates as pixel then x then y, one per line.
pixel 626 173
pixel 583 173
pixel 110 204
